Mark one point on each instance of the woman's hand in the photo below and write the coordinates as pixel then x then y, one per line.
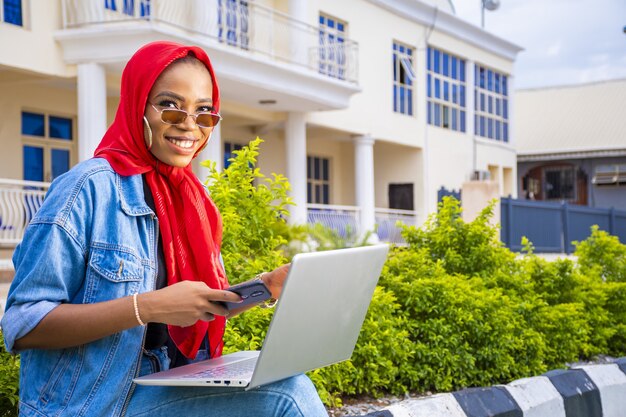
pixel 184 303
pixel 275 280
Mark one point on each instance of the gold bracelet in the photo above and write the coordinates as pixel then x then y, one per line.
pixel 270 302
pixel 137 316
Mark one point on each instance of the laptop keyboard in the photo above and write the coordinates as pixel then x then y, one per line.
pixel 232 370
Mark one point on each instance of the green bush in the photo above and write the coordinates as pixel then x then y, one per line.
pixel 9 381
pixel 602 255
pixel 253 209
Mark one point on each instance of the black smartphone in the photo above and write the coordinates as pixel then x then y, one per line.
pixel 251 292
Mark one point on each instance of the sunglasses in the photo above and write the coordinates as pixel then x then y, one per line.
pixel 176 116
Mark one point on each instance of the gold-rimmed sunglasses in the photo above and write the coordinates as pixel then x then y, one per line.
pixel 176 116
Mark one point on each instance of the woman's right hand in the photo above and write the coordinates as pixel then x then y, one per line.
pixel 184 303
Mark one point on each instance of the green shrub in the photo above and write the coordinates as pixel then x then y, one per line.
pixel 253 209
pixel 9 381
pixel 602 255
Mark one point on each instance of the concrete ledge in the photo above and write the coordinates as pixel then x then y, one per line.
pixel 585 391
pixel 487 402
pixel 611 383
pixel 436 405
pixel 580 395
pixel 537 397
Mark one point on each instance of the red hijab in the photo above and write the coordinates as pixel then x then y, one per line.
pixel 190 223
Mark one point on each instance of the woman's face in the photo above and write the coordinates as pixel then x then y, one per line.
pixel 184 86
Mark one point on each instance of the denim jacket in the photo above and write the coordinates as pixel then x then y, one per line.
pixel 94 239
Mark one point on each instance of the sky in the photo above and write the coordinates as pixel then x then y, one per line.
pixel 565 41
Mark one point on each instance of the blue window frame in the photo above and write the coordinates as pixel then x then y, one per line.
pixel 33 163
pixel 445 78
pixel 12 12
pixel 232 22
pixel 48 145
pixel 332 46
pixel 403 79
pixel 229 149
pixel 491 104
pixel 318 180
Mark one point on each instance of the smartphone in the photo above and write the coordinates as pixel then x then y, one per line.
pixel 251 292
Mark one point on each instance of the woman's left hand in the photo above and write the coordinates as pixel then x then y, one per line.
pixel 275 280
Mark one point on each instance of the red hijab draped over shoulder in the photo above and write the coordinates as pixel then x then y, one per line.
pixel 190 224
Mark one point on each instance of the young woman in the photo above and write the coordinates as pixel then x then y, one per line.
pixel 127 238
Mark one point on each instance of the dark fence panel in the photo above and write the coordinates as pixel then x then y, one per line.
pixel 551 227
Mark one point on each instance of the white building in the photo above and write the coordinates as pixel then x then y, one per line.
pixel 369 107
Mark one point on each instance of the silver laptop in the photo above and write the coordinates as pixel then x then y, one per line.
pixel 316 323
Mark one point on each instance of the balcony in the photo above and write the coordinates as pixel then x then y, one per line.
pixel 259 54
pixel 19 201
pixel 345 220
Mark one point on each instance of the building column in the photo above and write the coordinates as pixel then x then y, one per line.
pixel 212 152
pixel 299 41
pixel 92 108
pixel 364 182
pixel 295 143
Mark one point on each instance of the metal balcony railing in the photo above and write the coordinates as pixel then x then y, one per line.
pixel 240 24
pixel 19 201
pixel 346 220
pixel 386 223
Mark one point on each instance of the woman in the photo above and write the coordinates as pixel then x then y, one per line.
pixel 127 238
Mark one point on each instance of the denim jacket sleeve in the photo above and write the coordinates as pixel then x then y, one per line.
pixel 50 267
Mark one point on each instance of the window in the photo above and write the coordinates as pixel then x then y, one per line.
pixel 127 7
pixel 318 180
pixel 48 145
pixel 403 78
pixel 491 104
pixel 401 196
pixel 232 22
pixel 229 149
pixel 445 85
pixel 332 53
pixel 12 12
pixel 560 183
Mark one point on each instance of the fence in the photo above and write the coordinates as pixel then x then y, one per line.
pixel 19 200
pixel 551 227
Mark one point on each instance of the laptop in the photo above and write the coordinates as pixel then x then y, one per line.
pixel 316 323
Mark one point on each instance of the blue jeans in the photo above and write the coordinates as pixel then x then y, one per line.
pixel 292 397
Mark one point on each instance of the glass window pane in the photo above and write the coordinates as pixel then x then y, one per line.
pixel 60 127
pixel 462 95
pixel 436 58
pixel 462 70
pixel 504 87
pixel 325 175
pixel 429 64
pixel 455 93
pixel 60 162
pixel 309 194
pixel 33 163
pixel 490 104
pixel 446 64
pixel 309 167
pixel 505 133
pixel 462 121
pixel 316 165
pixel 409 98
pixel 497 130
pixel 33 124
pixel 318 193
pixel 446 91
pixel 497 83
pixel 490 128
pixel 429 111
pixel 13 12
pixel 326 194
pixel 454 70
pixel 446 116
pixel 453 119
pixel 482 101
pixel 429 81
pixel 482 126
pixel 505 110
pixel 437 114
pixel 437 88
pixel 490 80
